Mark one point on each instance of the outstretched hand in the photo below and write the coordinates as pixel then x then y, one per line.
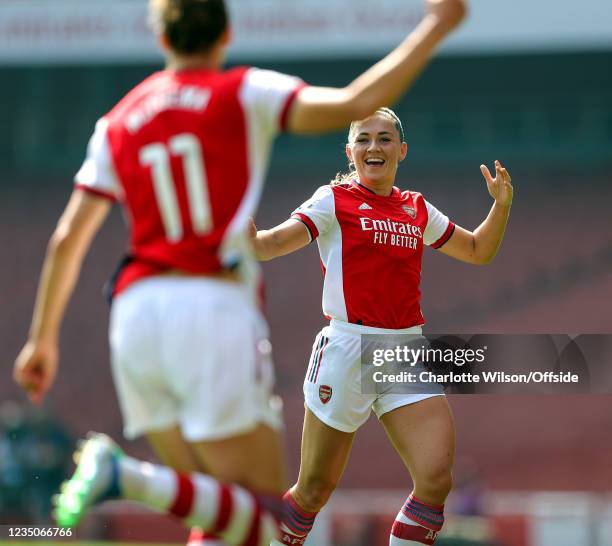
pixel 448 12
pixel 500 187
pixel 35 369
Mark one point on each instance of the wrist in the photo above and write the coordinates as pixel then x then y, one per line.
pixel 259 247
pixel 46 338
pixel 436 27
pixel 443 25
pixel 505 207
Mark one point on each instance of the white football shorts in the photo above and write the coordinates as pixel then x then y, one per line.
pixel 333 383
pixel 192 352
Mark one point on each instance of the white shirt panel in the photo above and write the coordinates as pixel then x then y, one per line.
pixel 268 91
pixel 320 208
pixel 98 171
pixel 330 250
pixel 436 224
pixel 260 125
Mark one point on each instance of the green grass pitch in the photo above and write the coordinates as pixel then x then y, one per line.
pixel 35 542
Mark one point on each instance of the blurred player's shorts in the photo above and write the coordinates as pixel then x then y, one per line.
pixel 192 352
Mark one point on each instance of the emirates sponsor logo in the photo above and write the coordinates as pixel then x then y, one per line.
pixel 325 393
pixel 389 226
pixel 390 233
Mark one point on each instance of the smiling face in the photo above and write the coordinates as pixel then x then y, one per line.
pixel 375 148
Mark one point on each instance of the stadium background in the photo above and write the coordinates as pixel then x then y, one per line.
pixel 544 109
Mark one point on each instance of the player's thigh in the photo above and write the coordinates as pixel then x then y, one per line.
pixel 324 454
pixel 173 450
pixel 253 459
pixel 423 434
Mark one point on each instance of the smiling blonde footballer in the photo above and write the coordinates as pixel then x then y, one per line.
pixel 371 237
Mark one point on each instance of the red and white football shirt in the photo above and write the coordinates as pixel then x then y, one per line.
pixel 186 153
pixel 371 248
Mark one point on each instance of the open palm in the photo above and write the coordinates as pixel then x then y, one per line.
pixel 500 188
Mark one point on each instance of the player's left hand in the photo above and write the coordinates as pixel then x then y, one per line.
pixel 449 13
pixel 500 187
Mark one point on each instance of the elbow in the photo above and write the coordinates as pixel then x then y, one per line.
pixel 360 108
pixel 483 260
pixel 58 242
pixel 63 241
pixel 480 255
pixel 330 112
pixel 357 105
pixel 360 111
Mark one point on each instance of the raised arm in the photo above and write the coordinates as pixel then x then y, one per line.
pixel 36 365
pixel 283 239
pixel 318 109
pixel 480 246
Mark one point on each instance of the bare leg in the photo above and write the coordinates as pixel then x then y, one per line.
pixel 254 460
pixel 423 434
pixel 225 460
pixel 324 455
pixel 325 452
pixel 173 450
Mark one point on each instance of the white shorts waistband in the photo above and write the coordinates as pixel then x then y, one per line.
pixel 356 329
pixel 179 283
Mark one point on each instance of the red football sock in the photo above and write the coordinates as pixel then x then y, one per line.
pixel 417 523
pixel 235 515
pixel 296 523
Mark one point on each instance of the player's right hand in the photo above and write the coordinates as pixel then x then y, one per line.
pixel 252 229
pixel 448 12
pixel 35 369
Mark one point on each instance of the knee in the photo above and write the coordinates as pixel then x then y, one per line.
pixel 313 492
pixel 434 484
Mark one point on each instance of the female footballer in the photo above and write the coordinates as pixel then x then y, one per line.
pixel 185 152
pixel 371 237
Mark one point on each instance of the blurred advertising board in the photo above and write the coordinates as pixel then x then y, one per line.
pixel 75 31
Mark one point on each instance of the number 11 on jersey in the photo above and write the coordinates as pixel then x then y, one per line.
pixel 157 156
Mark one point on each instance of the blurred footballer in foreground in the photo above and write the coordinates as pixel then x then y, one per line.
pixel 185 152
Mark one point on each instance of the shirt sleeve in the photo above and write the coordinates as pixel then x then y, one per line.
pixel 317 213
pixel 439 228
pixel 97 174
pixel 271 94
